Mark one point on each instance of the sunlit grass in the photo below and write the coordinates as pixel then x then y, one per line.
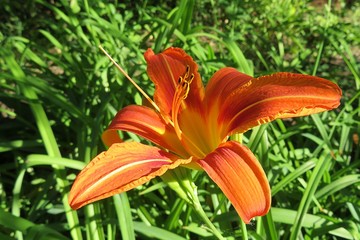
pixel 59 92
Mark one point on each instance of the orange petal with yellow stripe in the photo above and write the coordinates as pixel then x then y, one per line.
pixel 223 83
pixel 280 95
pixel 164 69
pixel 122 167
pixel 144 122
pixel 236 171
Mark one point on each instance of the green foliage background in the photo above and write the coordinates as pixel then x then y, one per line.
pixel 59 92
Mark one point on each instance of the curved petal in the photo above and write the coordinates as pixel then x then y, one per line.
pixel 280 95
pixel 122 167
pixel 221 85
pixel 194 135
pixel 164 69
pixel 240 176
pixel 147 123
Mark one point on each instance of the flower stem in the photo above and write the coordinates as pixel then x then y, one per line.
pixel 200 211
pixel 244 230
pixel 180 180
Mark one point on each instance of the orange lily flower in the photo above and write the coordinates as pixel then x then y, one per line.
pixel 191 124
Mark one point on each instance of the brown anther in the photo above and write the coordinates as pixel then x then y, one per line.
pixel 184 82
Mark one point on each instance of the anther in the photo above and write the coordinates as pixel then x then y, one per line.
pixel 191 78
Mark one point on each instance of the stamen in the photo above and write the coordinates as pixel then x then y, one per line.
pixel 183 87
pixel 186 85
pixel 181 93
pixel 156 107
pixel 187 72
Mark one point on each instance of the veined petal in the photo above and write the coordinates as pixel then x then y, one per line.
pixel 164 69
pixel 240 176
pixel 222 84
pixel 195 136
pixel 122 167
pixel 147 123
pixel 280 95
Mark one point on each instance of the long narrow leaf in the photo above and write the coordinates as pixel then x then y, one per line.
pixel 288 216
pixel 306 200
pixel 50 144
pixel 155 232
pixel 123 212
pixel 337 185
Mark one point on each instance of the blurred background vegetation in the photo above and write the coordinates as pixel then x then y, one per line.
pixel 58 92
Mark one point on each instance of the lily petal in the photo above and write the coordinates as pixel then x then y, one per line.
pixel 164 69
pixel 240 176
pixel 221 85
pixel 200 125
pixel 280 95
pixel 122 167
pixel 147 123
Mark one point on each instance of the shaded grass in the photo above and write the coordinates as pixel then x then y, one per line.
pixel 60 92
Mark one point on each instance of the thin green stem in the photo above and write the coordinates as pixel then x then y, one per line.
pixel 243 230
pixel 180 180
pixel 200 211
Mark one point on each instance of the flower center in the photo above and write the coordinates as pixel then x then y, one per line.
pixel 184 82
pixel 181 93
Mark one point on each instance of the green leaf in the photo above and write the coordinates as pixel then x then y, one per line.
pixel 239 57
pixel 292 176
pixel 287 216
pixel 40 159
pixel 155 232
pixel 28 228
pixel 338 185
pixel 123 211
pixel 308 195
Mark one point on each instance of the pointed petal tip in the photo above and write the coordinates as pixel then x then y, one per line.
pixel 149 52
pixel 122 167
pixel 73 202
pixel 279 95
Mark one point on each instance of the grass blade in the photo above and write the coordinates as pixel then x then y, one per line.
pixel 320 168
pixel 292 176
pixel 50 144
pixel 155 232
pixel 337 185
pixel 287 216
pixel 123 211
